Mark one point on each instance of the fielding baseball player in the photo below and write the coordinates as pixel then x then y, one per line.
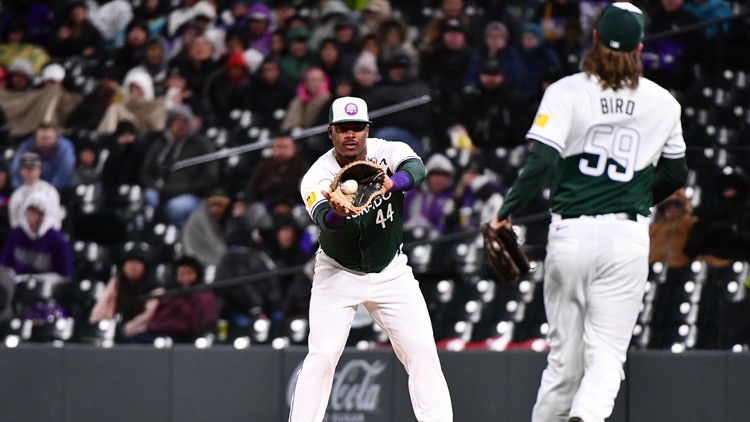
pixel 360 262
pixel 612 141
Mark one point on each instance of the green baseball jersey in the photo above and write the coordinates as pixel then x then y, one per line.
pixel 609 143
pixel 368 241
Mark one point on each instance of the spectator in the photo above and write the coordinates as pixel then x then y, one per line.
pixel 187 316
pixel 492 114
pixel 496 46
pixel 88 169
pixel 30 172
pixel 269 95
pixel 409 125
pixel 179 192
pixel 723 228
pixel 123 296
pixel 196 70
pixel 35 246
pixel 312 96
pixel 331 61
pixel 139 105
pixel 538 59
pixel 373 13
pixel 365 73
pixel 76 35
pixel 394 32
pixel 132 52
pixel 428 205
pixel 507 13
pixel 298 56
pixel 478 196
pixel 180 16
pixel 154 63
pixel 15 45
pixel 277 178
pixel 57 155
pixel 372 44
pixel 227 89
pixel 673 221
pixel 451 10
pixel 346 35
pixel 247 302
pixel 94 105
pixel 154 14
pixel 204 17
pixel 235 16
pixel 560 21
pixel 127 151
pixel 259 28
pixel 286 248
pixel 20 76
pixel 331 12
pixel 111 19
pixel 203 234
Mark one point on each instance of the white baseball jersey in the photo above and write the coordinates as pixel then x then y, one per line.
pixel 609 141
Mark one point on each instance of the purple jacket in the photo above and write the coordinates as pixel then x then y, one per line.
pixel 49 253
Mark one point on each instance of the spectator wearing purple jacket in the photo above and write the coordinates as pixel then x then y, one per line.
pixel 35 247
pixel 428 205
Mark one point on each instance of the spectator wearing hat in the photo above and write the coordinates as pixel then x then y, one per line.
pixel 298 56
pixel 196 69
pixel 35 246
pixel 397 86
pixel 138 104
pixel 492 114
pixel 53 75
pixel 20 76
pixel 328 15
pixel 347 36
pixel 394 33
pixel 331 61
pixel 450 10
pixel 180 16
pixel 313 95
pixel 14 44
pixel 538 59
pixel 428 204
pixel 203 233
pixel 366 74
pixel 270 94
pixel 496 46
pixel 132 52
pixel 259 28
pixel 177 193
pixel 57 156
pixel 154 63
pixel 227 89
pixel 30 172
pixel 122 296
pixel 505 12
pixel 445 69
pixel 76 35
pixel 187 316
pixel 204 20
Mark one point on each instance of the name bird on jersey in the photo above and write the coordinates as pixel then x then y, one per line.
pixel 378 224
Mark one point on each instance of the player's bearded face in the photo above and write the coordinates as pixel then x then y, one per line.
pixel 349 140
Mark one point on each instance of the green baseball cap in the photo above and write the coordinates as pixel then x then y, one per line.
pixel 620 26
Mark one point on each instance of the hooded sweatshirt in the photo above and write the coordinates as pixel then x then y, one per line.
pixel 46 251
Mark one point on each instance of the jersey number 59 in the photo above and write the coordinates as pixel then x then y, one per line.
pixel 609 142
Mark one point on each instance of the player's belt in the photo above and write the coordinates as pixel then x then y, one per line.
pixel 632 216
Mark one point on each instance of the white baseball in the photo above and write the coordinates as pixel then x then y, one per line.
pixel 349 187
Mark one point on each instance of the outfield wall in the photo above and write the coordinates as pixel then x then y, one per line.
pixel 79 383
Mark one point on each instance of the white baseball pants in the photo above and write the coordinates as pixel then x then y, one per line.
pixel 393 299
pixel 595 276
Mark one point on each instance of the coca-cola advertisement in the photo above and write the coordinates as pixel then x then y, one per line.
pixel 361 391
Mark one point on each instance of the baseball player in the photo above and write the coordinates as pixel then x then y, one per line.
pixel 360 262
pixel 612 142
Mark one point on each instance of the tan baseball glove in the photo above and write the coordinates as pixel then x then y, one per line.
pixel 370 179
pixel 504 254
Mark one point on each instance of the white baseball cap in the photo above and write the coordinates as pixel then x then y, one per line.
pixel 53 72
pixel 348 110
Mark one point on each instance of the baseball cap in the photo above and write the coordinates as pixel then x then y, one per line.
pixel 348 110
pixel 620 26
pixel 452 25
pixel 491 66
pixel 31 159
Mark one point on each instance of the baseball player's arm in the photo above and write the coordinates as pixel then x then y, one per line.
pixel 535 173
pixel 669 176
pixel 410 173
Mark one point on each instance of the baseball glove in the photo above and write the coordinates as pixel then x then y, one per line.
pixel 504 254
pixel 370 179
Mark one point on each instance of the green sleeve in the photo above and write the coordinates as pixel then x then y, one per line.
pixel 415 169
pixel 535 173
pixel 669 176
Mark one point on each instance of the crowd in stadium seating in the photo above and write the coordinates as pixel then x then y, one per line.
pixel 99 99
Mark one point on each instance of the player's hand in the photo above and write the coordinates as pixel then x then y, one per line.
pixel 340 210
pixel 388 184
pixel 497 223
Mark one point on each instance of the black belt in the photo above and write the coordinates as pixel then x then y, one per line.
pixel 632 216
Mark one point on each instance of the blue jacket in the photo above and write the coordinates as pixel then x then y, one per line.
pixel 57 163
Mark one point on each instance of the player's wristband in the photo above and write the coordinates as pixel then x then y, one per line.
pixel 334 220
pixel 401 181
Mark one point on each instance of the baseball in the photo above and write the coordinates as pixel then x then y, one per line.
pixel 349 187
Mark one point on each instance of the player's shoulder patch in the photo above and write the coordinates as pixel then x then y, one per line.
pixel 310 199
pixel 541 120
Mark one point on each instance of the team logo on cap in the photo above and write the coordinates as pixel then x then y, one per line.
pixel 351 109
